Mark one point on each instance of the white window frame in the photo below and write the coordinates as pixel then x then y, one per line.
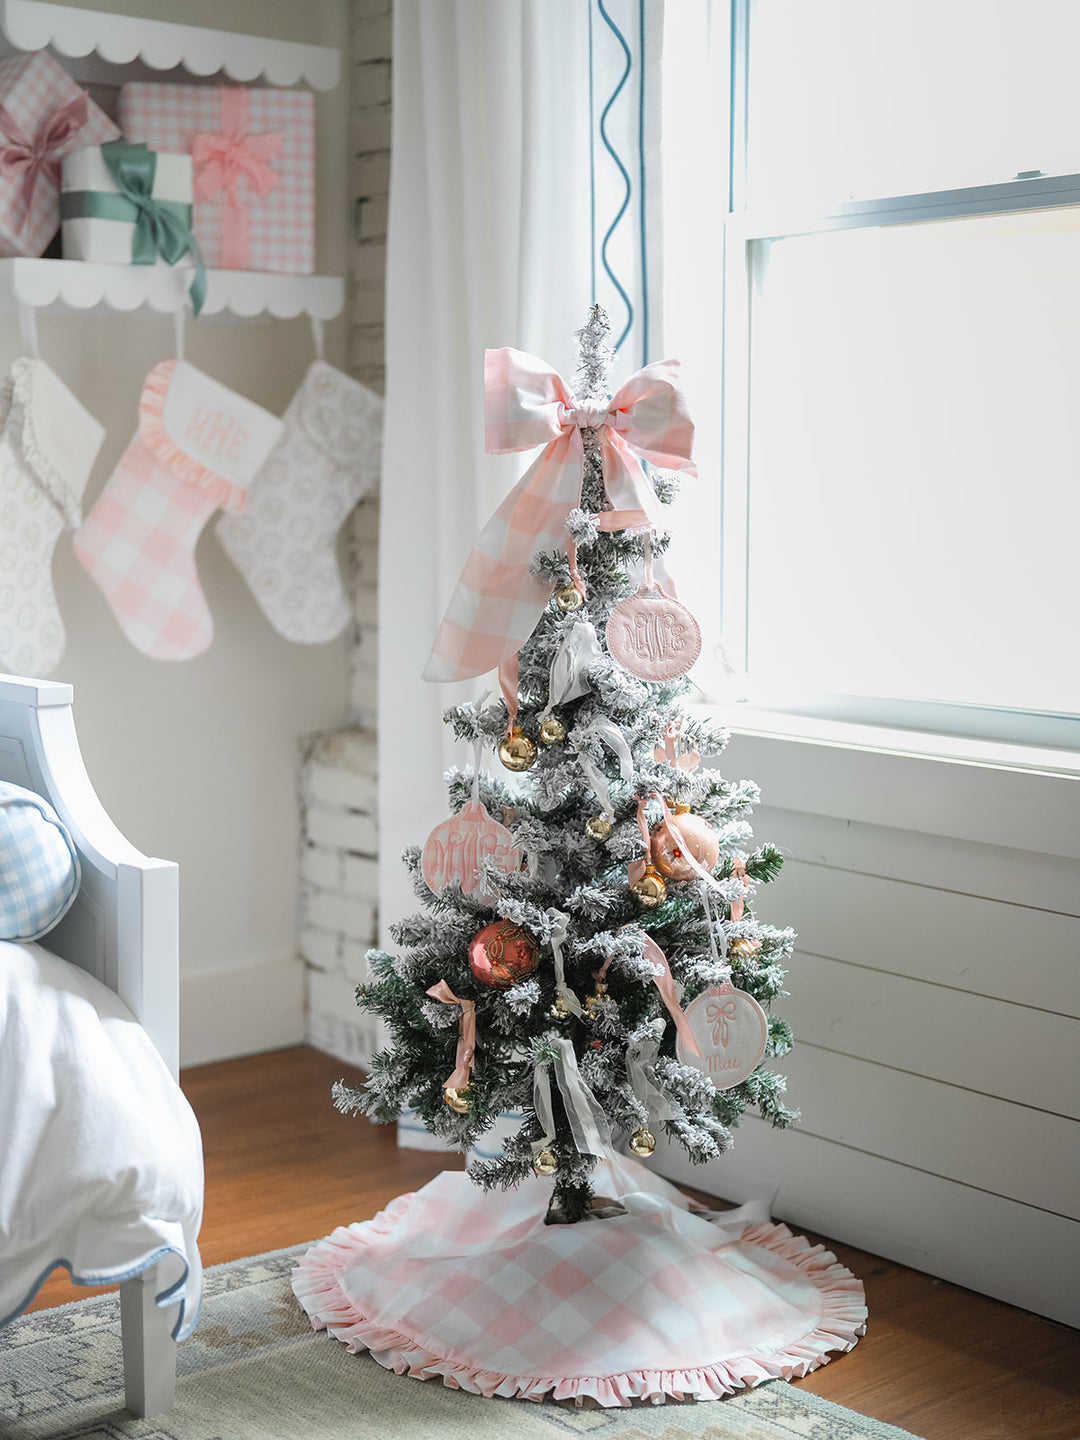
pixel 747 233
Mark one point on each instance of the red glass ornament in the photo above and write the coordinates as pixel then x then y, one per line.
pixel 502 953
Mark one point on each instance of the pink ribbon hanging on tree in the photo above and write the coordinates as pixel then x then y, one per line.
pixel 665 983
pixel 32 157
pixel 466 1045
pixel 223 160
pixel 497 602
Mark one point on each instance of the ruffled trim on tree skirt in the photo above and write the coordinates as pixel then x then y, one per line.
pixel 473 1288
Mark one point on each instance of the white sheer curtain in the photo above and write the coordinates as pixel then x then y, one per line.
pixel 501 194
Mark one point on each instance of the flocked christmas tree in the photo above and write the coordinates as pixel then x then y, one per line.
pixel 587 953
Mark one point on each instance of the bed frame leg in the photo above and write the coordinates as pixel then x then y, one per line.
pixel 149 1349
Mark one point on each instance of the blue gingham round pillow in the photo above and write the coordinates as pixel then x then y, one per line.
pixel 39 865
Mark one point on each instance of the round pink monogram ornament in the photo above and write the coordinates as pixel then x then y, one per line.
pixel 731 1029
pixel 653 636
pixel 455 848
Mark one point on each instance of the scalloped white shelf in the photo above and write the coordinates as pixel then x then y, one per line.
pixel 110 48
pixel 81 286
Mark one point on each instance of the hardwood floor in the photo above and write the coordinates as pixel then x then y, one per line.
pixel 282 1167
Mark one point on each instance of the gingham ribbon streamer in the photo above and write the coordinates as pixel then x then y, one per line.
pixel 607 731
pixel 559 922
pixel 568 677
pixel 588 1123
pixel 498 601
pixel 640 1054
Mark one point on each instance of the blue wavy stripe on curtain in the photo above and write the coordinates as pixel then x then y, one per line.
pixel 592 167
pixel 641 187
pixel 628 57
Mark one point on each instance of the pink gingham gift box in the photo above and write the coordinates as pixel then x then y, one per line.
pixel 254 158
pixel 43 115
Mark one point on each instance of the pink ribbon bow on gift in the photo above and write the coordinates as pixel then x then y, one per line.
pixel 497 602
pixel 32 157
pixel 225 158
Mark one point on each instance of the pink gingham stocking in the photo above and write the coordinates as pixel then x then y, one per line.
pixel 285 542
pixel 197 447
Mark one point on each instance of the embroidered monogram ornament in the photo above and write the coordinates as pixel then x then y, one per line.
pixel 731 1030
pixel 653 636
pixel 455 848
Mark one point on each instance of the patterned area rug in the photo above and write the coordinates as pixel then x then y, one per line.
pixel 254 1370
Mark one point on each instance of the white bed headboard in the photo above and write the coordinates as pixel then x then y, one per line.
pixel 124 925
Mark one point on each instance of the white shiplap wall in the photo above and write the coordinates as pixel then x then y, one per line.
pixel 935 998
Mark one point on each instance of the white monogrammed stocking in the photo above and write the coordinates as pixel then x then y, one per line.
pixel 284 544
pixel 48 446
pixel 197 447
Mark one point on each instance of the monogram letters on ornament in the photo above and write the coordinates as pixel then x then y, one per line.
pixel 652 635
pixel 455 849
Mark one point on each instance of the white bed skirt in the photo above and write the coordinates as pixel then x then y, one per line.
pixel 100 1153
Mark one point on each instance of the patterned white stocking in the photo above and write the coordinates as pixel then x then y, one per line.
pixel 284 544
pixel 48 445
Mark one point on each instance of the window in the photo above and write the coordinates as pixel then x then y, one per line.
pixel 900 367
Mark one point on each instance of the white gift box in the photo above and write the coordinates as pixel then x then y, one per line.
pixel 85 173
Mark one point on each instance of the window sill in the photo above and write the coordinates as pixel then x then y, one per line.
pixel 1015 796
pixel 881 739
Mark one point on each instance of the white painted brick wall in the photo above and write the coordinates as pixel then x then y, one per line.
pixel 339 887
pixel 339 860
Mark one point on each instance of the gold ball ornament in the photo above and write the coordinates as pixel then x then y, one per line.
pixel 650 889
pixel 552 730
pixel 743 949
pixel 598 828
pixel 643 1142
pixel 592 1003
pixel 457 1099
pixel 517 751
pixel 569 598
pixel 545 1163
pixel 560 1010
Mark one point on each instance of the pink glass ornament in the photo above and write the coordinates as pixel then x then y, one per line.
pixel 502 953
pixel 678 833
pixel 455 848
pixel 653 636
pixel 731 1029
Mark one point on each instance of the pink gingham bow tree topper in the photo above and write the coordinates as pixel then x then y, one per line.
pixel 497 602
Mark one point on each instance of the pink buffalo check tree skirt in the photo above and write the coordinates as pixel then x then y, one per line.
pixel 654 1304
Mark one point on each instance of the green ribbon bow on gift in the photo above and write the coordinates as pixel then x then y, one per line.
pixel 162 227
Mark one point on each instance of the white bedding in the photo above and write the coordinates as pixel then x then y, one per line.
pixel 100 1153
